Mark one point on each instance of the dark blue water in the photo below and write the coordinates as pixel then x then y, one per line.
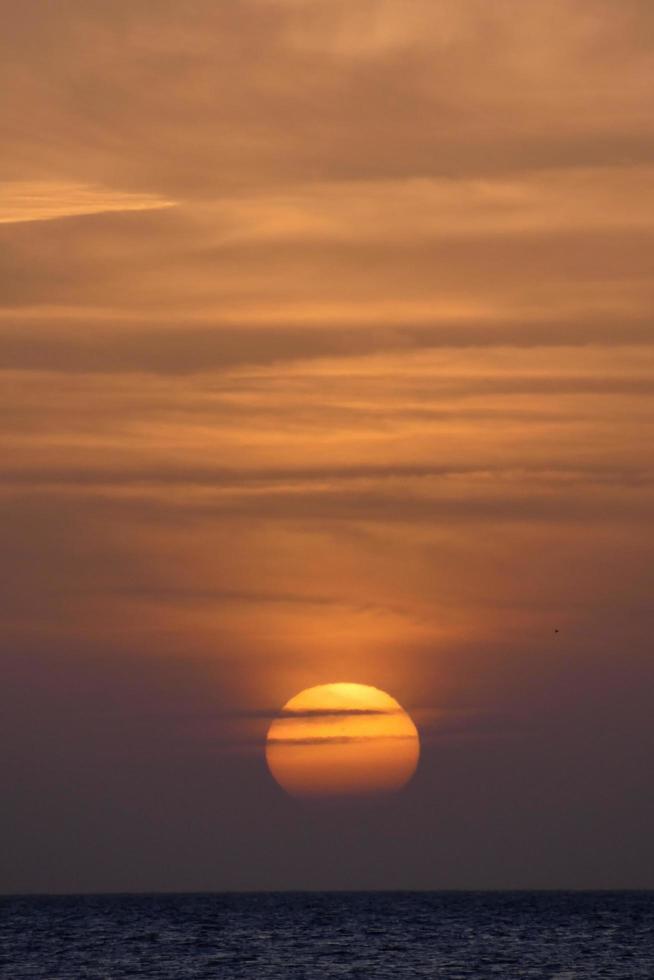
pixel 448 935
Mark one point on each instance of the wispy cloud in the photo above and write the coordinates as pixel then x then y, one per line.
pixel 335 739
pixel 372 400
pixel 22 201
pixel 184 350
pixel 291 713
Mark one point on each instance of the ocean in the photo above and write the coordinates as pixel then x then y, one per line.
pixel 444 935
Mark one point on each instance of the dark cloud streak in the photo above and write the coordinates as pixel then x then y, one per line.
pixel 196 350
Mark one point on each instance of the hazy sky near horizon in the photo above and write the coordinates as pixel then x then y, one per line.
pixel 326 355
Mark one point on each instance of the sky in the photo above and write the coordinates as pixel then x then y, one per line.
pixel 326 355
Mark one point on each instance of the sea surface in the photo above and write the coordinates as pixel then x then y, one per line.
pixel 448 935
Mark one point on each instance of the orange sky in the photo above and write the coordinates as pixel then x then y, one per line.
pixel 326 352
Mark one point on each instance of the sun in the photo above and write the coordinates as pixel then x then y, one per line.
pixel 342 740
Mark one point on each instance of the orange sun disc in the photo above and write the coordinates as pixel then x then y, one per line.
pixel 342 740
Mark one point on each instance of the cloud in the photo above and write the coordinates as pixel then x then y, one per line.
pixel 181 595
pixel 46 201
pixel 335 739
pixel 514 505
pixel 417 210
pixel 289 714
pixel 208 96
pixel 190 349
pixel 372 400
